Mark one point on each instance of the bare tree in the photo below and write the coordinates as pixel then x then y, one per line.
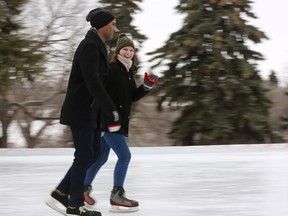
pixel 56 24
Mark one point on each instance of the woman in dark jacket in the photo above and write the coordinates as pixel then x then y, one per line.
pixel 121 87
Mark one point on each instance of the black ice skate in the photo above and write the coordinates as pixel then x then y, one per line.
pixel 88 199
pixel 82 211
pixel 119 203
pixel 58 201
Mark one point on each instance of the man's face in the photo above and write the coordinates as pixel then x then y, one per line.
pixel 108 31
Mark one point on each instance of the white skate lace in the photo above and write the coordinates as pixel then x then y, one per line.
pixel 84 209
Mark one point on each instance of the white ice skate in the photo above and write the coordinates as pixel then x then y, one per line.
pixel 56 205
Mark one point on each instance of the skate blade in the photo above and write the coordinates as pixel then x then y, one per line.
pixel 123 209
pixel 55 205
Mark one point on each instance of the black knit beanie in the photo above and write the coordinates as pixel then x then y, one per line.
pixel 99 17
pixel 123 41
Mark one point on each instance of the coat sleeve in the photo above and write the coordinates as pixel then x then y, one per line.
pixel 138 92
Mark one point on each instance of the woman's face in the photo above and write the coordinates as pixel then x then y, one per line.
pixel 127 52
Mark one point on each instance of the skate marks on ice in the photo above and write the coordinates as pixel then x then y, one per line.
pixel 240 180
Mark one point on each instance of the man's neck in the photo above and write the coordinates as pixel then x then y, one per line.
pixel 94 29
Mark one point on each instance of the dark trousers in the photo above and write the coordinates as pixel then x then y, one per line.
pixel 87 143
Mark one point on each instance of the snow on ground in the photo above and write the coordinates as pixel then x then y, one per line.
pixel 238 180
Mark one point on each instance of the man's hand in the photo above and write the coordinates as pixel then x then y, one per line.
pixel 114 124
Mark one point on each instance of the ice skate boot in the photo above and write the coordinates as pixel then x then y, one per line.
pixel 82 211
pixel 88 199
pixel 58 201
pixel 119 202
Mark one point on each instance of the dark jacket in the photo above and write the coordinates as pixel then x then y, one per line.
pixel 123 91
pixel 86 96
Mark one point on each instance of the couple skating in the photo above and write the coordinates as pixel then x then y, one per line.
pixel 98 101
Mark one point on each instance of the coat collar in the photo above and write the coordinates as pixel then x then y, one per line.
pixel 124 70
pixel 93 35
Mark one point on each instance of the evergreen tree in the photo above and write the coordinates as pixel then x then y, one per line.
pixel 212 72
pixel 19 61
pixel 273 78
pixel 124 11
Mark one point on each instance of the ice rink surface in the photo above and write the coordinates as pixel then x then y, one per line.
pixel 237 180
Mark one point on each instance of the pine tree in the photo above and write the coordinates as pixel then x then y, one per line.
pixel 212 72
pixel 124 11
pixel 19 61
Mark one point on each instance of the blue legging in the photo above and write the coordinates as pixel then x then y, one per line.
pixel 120 146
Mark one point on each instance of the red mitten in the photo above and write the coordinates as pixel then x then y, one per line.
pixel 149 81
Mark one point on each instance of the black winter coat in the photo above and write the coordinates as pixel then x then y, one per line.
pixel 123 91
pixel 86 96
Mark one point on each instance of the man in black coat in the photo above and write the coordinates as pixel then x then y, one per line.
pixel 85 102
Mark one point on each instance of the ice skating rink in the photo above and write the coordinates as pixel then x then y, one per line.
pixel 238 180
